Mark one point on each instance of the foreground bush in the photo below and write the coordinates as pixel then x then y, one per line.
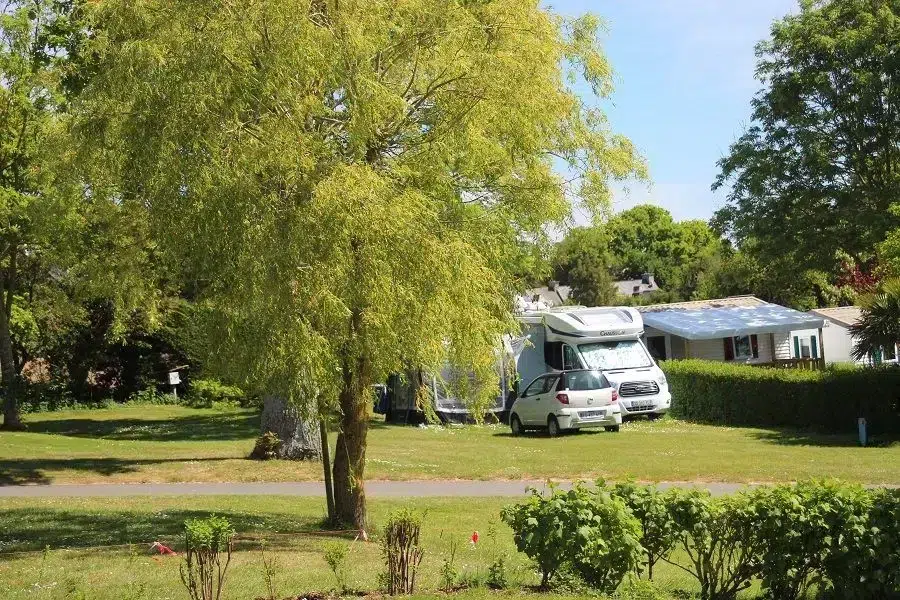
pixel 402 551
pixel 587 530
pixel 829 400
pixel 209 544
pixel 839 540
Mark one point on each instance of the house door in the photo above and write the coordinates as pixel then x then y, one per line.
pixel 657 347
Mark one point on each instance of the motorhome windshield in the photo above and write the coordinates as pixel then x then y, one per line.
pixel 609 356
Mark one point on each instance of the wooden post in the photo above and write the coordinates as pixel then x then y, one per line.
pixel 821 348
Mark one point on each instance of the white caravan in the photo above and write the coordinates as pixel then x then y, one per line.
pixel 607 339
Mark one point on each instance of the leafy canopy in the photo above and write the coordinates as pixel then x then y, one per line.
pixel 816 172
pixel 348 182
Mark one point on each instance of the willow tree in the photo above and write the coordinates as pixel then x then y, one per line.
pixel 349 180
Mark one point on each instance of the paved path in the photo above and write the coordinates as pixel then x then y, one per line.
pixel 374 489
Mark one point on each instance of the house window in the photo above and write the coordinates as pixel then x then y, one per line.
pixel 890 353
pixel 741 347
pixel 806 347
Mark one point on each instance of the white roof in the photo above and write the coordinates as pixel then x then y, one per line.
pixel 845 316
pixel 708 322
pixel 605 322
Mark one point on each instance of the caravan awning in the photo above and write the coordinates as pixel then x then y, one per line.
pixel 722 322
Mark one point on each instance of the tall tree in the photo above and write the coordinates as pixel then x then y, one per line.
pixel 582 260
pixel 818 169
pixel 59 244
pixel 352 178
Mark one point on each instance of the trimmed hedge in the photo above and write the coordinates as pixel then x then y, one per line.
pixel 829 400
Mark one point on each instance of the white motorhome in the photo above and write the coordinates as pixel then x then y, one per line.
pixel 603 338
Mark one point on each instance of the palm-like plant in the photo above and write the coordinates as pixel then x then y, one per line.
pixel 879 326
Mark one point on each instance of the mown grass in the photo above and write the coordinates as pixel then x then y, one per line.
pixel 174 443
pixel 72 567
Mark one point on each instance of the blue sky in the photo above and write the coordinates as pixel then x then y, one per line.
pixel 684 81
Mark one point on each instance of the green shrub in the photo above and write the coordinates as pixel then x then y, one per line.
pixel 829 400
pixel 809 532
pixel 336 557
pixel 402 551
pixel 539 531
pixel 266 447
pixel 209 544
pixel 648 505
pixel 152 396
pixel 585 529
pixel 719 540
pixel 206 392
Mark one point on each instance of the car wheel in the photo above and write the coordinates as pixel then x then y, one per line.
pixel 612 428
pixel 553 429
pixel 515 425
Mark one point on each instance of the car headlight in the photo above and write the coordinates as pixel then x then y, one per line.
pixel 662 381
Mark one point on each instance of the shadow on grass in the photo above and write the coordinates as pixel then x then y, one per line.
pixel 224 427
pixel 33 470
pixel 794 437
pixel 30 529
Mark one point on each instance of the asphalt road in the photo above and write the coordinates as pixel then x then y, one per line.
pixel 374 489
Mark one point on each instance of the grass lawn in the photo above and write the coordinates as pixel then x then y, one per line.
pixel 173 443
pixel 70 569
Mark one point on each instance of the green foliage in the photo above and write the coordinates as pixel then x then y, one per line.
pixel 266 447
pixel 873 551
pixel 808 532
pixel 879 327
pixel 331 173
pixel 538 525
pixel 209 544
pixel 448 572
pixel 829 400
pixel 816 172
pixel 719 539
pixel 648 505
pixel 151 395
pixel 584 529
pixel 642 239
pixel 206 392
pixel 402 551
pixel 335 555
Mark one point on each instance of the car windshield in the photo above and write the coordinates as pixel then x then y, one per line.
pixel 584 380
pixel 609 356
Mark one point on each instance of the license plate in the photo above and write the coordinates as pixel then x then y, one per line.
pixel 592 413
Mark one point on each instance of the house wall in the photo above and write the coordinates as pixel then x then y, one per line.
pixel 714 349
pixel 783 348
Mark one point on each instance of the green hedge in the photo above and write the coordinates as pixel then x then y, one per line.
pixel 829 400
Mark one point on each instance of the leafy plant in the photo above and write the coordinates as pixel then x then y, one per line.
pixel 603 537
pixel 209 544
pixel 587 530
pixel 449 573
pixel 336 557
pixel 152 396
pixel 648 505
pixel 266 447
pixel 538 525
pixel 402 551
pixel 206 392
pixel 497 578
pixel 270 570
pixel 718 538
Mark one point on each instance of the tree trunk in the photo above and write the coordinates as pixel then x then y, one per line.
pixel 326 468
pixel 299 438
pixel 9 377
pixel 350 452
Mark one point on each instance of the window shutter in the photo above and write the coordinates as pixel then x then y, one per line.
pixel 814 343
pixel 729 349
pixel 754 345
pixel 796 346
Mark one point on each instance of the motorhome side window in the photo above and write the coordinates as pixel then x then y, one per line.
pixel 570 358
